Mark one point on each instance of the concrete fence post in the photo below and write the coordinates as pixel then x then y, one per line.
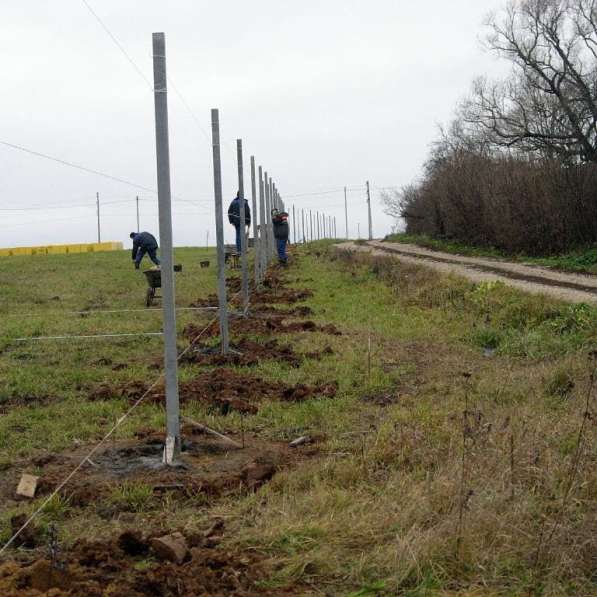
pixel 243 228
pixel 172 448
pixel 222 296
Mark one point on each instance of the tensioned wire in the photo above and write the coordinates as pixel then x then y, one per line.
pixel 97 446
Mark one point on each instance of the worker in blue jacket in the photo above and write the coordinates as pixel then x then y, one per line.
pixel 144 242
pixel 234 218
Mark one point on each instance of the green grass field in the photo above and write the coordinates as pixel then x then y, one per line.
pixel 457 457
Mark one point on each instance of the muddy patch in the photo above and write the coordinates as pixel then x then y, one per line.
pixel 222 390
pixel 266 325
pixel 249 353
pixel 137 564
pixel 129 475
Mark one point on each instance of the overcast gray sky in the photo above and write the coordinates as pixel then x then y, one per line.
pixel 324 94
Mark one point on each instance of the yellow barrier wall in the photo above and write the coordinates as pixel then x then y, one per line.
pixel 62 249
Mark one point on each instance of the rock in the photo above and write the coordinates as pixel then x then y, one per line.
pixel 299 441
pixel 170 547
pixel 27 485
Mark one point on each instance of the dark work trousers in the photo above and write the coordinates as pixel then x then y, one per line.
pixel 281 244
pixel 151 252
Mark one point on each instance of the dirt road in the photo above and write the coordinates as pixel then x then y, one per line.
pixel 575 288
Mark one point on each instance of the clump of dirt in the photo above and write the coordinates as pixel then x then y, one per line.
pixel 281 295
pixel 245 353
pixel 302 392
pixel 208 301
pixel 223 390
pixel 381 398
pixel 300 311
pixel 17 400
pixel 249 353
pixel 273 324
pixel 95 568
pixel 131 390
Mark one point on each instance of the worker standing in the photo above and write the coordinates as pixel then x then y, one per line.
pixel 144 243
pixel 234 218
pixel 281 233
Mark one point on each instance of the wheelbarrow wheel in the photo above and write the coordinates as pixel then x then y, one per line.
pixel 149 297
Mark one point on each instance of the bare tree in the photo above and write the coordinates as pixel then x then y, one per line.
pixel 550 104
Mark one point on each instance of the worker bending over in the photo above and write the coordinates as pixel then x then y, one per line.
pixel 144 242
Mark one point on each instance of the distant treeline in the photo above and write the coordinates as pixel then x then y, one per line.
pixel 517 167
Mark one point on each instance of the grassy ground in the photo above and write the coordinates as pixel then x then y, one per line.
pixel 581 260
pixel 456 458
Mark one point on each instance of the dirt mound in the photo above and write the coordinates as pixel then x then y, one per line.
pixel 96 568
pixel 245 353
pixel 281 295
pixel 208 301
pixel 249 353
pixel 224 390
pixel 269 324
pixel 129 475
pixel 16 400
pixel 258 309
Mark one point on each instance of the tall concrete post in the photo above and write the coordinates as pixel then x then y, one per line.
pixel 369 212
pixel 294 224
pixel 254 220
pixel 172 448
pixel 262 230
pixel 269 218
pixel 268 209
pixel 138 221
pixel 303 225
pixel 346 213
pixel 243 227
pixel 99 232
pixel 311 226
pixel 222 298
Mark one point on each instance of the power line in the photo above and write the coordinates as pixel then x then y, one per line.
pixel 118 45
pixel 39 154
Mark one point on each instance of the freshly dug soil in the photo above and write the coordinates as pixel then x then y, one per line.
pixel 249 353
pixel 121 567
pixel 222 389
pixel 268 324
pixel 208 466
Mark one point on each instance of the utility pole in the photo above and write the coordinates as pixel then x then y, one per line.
pixel 222 299
pixel 254 219
pixel 243 227
pixel 346 212
pixel 369 212
pixel 172 448
pixel 99 234
pixel 207 240
pixel 359 231
pixel 138 224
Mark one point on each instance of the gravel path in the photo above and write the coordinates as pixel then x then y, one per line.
pixel 575 288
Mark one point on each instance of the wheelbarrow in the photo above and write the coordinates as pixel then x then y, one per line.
pixel 154 281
